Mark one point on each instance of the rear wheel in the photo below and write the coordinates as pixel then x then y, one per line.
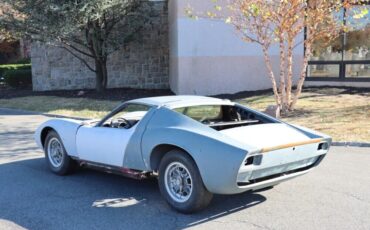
pixel 181 184
pixel 56 156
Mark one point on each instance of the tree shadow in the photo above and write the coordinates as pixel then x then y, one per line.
pixel 16 140
pixel 245 94
pixel 297 113
pixel 34 198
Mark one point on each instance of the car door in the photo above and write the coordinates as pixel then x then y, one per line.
pixel 104 144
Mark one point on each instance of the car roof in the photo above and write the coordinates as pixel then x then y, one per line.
pixel 181 101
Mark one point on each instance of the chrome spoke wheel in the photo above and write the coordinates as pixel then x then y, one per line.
pixel 55 152
pixel 178 182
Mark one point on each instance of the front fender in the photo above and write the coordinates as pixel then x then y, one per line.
pixel 66 129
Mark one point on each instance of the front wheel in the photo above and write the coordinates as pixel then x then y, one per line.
pixel 181 184
pixel 56 156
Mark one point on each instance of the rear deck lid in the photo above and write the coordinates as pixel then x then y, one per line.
pixel 265 135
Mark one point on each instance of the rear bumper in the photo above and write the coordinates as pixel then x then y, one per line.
pixel 276 165
pixel 277 178
pixel 272 179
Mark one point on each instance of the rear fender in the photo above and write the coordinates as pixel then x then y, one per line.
pixel 217 157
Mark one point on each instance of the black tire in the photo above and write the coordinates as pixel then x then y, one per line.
pixel 199 197
pixel 67 164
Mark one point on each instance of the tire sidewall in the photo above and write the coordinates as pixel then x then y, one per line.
pixel 63 168
pixel 199 196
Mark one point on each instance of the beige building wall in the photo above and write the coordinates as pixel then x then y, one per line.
pixel 208 57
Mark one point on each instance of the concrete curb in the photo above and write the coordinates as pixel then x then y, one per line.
pixel 26 112
pixel 351 144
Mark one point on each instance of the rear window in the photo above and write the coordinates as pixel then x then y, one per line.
pixel 202 112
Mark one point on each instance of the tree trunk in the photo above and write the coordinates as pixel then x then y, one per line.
pixel 101 74
pixel 96 41
pixel 105 73
pixel 271 76
pixel 302 77
pixel 282 88
pixel 289 75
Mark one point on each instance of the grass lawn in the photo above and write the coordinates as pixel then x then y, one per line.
pixel 76 107
pixel 344 114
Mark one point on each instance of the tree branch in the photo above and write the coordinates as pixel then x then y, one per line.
pixel 79 58
pixel 76 49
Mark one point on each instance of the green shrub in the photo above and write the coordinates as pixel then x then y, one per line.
pixel 6 67
pixel 18 78
pixel 18 81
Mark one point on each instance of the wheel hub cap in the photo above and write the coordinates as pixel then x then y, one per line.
pixel 178 182
pixel 55 152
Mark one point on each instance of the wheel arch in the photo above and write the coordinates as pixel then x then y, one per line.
pixel 43 134
pixel 159 151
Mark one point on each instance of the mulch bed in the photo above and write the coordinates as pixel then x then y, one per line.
pixel 124 94
pixel 325 90
pixel 121 94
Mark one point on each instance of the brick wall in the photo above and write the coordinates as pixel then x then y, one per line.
pixel 141 64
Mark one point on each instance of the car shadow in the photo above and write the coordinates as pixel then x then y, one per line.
pixel 34 198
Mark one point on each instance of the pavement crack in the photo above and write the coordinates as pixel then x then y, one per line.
pixel 254 224
pixel 348 194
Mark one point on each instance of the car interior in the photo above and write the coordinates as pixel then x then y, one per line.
pixel 222 117
pixel 125 120
pixel 218 117
pixel 126 117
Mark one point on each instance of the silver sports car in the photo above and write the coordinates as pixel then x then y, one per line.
pixel 196 146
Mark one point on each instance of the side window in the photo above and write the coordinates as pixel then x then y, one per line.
pixel 127 117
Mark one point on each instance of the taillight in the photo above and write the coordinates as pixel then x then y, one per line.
pixel 323 146
pixel 253 160
pixel 249 161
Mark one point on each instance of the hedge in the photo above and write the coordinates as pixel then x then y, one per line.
pixel 6 67
pixel 16 76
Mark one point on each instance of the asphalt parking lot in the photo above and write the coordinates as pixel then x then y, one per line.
pixel 336 195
